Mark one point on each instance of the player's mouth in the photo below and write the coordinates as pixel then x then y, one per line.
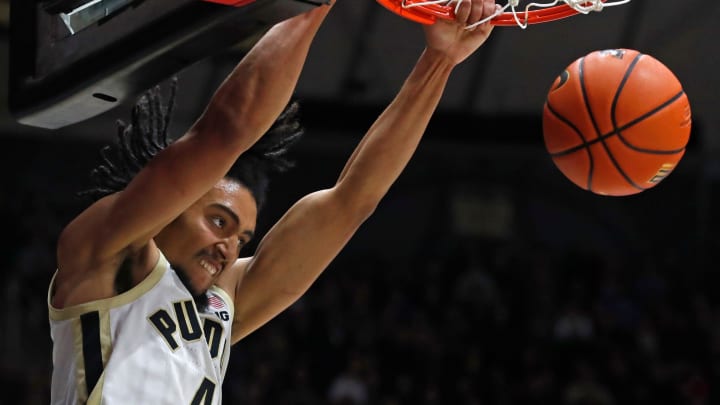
pixel 210 266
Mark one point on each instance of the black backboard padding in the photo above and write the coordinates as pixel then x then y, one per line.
pixel 62 6
pixel 53 76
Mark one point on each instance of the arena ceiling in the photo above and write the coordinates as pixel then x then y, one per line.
pixel 363 53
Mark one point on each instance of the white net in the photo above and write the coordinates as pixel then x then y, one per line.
pixel 521 14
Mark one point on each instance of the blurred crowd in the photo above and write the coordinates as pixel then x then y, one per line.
pixel 468 320
pixel 520 327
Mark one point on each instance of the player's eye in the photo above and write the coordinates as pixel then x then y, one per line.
pixel 218 221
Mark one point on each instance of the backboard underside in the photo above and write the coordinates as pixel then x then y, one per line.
pixel 58 78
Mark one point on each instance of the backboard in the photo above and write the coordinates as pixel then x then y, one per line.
pixel 71 60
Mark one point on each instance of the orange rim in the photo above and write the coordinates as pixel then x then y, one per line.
pixel 234 3
pixel 428 14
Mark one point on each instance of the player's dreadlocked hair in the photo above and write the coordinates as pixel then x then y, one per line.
pixel 147 135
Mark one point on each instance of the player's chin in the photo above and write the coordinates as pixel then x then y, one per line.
pixel 196 280
pixel 202 281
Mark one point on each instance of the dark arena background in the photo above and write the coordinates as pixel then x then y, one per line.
pixel 484 277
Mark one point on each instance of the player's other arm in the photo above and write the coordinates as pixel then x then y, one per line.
pixel 239 113
pixel 309 236
pixel 254 94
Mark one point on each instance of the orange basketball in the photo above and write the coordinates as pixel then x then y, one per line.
pixel 616 122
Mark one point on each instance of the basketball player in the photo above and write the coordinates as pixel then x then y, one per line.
pixel 150 292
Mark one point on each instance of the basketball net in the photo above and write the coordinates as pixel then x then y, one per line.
pixel 428 11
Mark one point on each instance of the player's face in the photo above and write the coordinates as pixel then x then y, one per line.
pixel 206 239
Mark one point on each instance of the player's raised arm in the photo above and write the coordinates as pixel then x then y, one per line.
pixel 239 113
pixel 254 94
pixel 299 247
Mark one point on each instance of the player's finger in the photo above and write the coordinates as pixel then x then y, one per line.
pixel 462 11
pixel 490 7
pixel 481 13
pixel 476 11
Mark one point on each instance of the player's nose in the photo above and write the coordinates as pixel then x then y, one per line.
pixel 223 250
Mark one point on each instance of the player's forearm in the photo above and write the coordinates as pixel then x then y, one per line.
pixel 390 143
pixel 307 238
pixel 260 86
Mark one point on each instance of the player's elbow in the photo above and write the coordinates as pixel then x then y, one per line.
pixel 224 125
pixel 366 207
pixel 357 205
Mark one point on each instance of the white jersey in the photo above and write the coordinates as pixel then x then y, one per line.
pixel 148 345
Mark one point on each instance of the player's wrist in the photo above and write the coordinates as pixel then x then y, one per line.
pixel 442 56
pixel 437 60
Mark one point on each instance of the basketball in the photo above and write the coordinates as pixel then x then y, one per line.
pixel 616 122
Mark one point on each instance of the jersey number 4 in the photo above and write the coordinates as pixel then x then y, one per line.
pixel 204 394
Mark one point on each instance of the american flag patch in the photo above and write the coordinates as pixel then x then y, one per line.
pixel 216 302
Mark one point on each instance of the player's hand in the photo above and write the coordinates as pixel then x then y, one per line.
pixel 452 38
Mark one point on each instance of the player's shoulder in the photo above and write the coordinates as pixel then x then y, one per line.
pixel 241 264
pixel 233 275
pixel 79 241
